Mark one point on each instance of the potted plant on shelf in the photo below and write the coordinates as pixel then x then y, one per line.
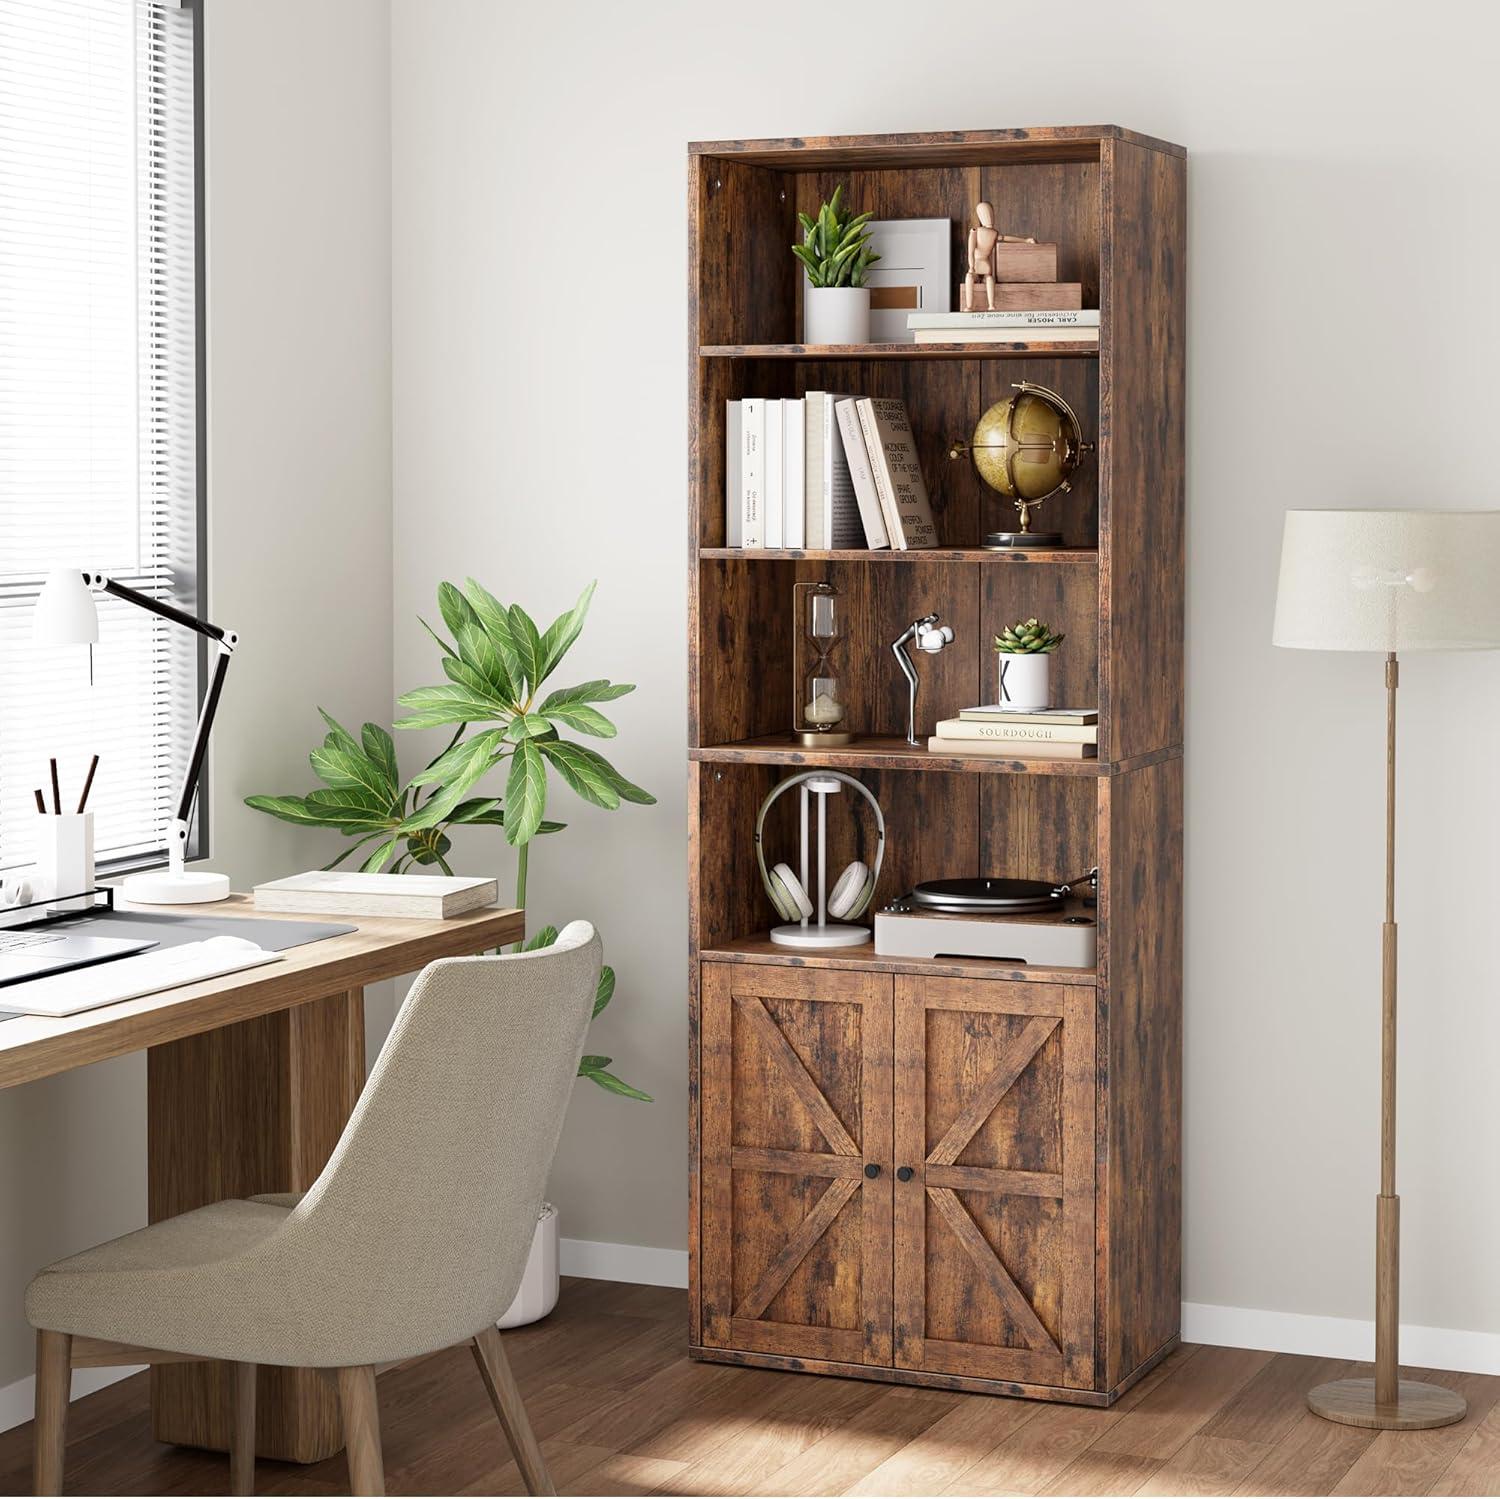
pixel 836 254
pixel 1025 651
pixel 495 669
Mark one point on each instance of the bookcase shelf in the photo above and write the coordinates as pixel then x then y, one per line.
pixel 843 1066
pixel 1050 556
pixel 1021 349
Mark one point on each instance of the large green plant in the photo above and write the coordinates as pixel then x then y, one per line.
pixel 495 667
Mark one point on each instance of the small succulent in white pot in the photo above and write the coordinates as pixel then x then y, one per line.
pixel 1024 651
pixel 835 252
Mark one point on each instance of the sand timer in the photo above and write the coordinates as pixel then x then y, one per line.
pixel 818 713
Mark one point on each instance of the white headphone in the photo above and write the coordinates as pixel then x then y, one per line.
pixel 852 891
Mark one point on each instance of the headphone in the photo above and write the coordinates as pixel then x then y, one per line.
pixel 855 887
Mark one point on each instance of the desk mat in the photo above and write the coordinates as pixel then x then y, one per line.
pixel 173 931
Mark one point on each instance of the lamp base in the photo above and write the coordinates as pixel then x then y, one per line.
pixel 1417 1407
pixel 834 934
pixel 161 887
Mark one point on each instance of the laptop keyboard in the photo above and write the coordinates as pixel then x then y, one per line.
pixel 26 941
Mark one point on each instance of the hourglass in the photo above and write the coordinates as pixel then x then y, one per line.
pixel 817 694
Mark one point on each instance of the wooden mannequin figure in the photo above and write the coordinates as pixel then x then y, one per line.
pixel 982 241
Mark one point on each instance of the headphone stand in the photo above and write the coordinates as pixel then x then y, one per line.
pixel 810 933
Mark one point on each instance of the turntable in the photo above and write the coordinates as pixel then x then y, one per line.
pixel 1015 921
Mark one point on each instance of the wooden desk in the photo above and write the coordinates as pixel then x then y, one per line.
pixel 250 1079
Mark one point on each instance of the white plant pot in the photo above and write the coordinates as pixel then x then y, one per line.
pixel 1025 681
pixel 540 1284
pixel 835 314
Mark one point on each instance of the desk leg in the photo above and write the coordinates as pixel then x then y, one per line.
pixel 249 1108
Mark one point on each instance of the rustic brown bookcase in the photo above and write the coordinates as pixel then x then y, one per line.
pixel 961 1174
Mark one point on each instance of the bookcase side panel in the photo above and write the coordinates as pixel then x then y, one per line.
pixel 1141 460
pixel 1141 929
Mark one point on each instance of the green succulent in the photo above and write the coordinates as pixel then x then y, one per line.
pixel 1028 638
pixel 835 246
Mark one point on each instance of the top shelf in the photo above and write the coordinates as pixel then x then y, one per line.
pixel 1021 349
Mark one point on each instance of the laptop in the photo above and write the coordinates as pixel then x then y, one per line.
pixel 30 953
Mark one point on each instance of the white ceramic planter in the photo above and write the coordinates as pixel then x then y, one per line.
pixel 835 314
pixel 540 1284
pixel 1025 681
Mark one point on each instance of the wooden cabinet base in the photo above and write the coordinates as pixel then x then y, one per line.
pixel 245 1109
pixel 1057 1393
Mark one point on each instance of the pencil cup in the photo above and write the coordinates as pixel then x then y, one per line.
pixel 65 860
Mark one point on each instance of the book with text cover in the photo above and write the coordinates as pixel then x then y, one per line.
pixel 775 475
pixel 994 335
pixel 870 512
pixel 988 729
pixel 1032 317
pixel 842 527
pixel 331 891
pixel 752 472
pixel 812 446
pixel 1013 749
pixel 734 516
pixel 1002 714
pixel 898 474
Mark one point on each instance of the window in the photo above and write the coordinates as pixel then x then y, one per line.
pixel 100 404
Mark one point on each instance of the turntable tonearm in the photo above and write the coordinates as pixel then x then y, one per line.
pixel 1017 921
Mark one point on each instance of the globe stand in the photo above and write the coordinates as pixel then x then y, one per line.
pixel 1010 541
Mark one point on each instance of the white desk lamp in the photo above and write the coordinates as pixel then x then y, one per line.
pixel 1389 580
pixel 65 614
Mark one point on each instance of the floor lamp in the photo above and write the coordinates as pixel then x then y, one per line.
pixel 1389 581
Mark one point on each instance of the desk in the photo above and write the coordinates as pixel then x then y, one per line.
pixel 250 1078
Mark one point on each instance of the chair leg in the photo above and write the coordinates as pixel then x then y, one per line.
pixel 242 1434
pixel 362 1429
pixel 54 1378
pixel 494 1369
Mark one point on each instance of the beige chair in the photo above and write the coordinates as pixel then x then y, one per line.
pixel 412 1239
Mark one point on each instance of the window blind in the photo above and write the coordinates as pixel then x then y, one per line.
pixel 98 404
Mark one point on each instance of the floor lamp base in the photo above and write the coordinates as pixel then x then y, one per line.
pixel 1417 1407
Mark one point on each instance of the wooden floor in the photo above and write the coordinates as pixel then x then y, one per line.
pixel 621 1410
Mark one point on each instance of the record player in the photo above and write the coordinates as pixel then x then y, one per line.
pixel 1014 921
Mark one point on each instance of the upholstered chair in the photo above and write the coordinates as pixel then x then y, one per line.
pixel 413 1239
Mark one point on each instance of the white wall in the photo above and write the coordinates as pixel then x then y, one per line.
pixel 299 538
pixel 1342 203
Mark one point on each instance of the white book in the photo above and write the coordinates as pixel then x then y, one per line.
pixel 434 896
pixel 842 527
pixel 898 473
pixel 734 520
pixel 1028 317
pixel 870 514
pixel 775 506
pixel 813 443
pixel 794 474
pixel 1056 335
pixel 984 728
pixel 752 473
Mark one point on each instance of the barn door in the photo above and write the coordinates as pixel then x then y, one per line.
pixel 795 1241
pixel 994 1222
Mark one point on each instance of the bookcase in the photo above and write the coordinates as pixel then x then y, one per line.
pixel 963 1174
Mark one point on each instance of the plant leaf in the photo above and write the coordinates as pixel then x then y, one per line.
pixel 477 810
pixel 353 848
pixel 580 716
pixel 442 645
pixel 528 646
pixel 457 610
pixel 606 990
pixel 525 793
pixel 458 757
pixel 437 807
pixel 380 749
pixel 338 736
pixel 596 691
pixel 343 769
pixel 581 769
pixel 562 632
pixel 544 938
pixel 495 618
pixel 528 726
pixel 480 652
pixel 447 703
pixel 378 860
pixel 609 1082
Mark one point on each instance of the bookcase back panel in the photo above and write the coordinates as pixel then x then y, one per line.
pixel 1067 598
pixel 1038 827
pixel 745 271
pixel 728 900
pixel 1056 203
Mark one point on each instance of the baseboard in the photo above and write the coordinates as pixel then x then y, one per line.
pixel 18 1399
pixel 635 1264
pixel 1338 1337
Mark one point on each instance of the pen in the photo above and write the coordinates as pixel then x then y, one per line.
pixel 88 782
pixel 56 794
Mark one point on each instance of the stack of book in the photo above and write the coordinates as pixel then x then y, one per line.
pixel 1002 733
pixel 825 472
pixel 1073 325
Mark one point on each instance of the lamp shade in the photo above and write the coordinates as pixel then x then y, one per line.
pixel 1389 580
pixel 65 612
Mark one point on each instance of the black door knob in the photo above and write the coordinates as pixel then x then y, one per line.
pixel 872 1170
pixel 903 1173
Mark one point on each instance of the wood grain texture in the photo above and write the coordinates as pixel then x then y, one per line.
pixel 647 1425
pixel 361 1418
pixel 34 1046
pixel 1032 348
pixel 53 1380
pixel 510 1409
pixel 934 147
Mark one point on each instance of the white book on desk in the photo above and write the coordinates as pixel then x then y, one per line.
pixel 436 897
pixel 108 983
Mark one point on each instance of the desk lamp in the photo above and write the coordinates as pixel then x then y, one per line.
pixel 1389 581
pixel 66 615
